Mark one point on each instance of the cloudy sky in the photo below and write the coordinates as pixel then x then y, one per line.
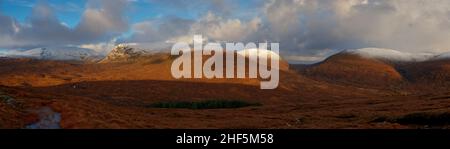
pixel 307 30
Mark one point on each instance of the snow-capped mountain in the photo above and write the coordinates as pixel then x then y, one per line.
pixel 54 53
pixel 382 68
pixel 256 52
pixel 283 65
pixel 445 55
pixel 124 52
pixel 391 55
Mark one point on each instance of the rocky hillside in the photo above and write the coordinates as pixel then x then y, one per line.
pixel 124 53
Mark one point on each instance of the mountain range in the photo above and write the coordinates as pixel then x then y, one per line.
pixel 381 68
pixel 362 88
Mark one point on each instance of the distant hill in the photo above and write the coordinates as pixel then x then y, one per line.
pixel 351 68
pixel 55 53
pixel 385 68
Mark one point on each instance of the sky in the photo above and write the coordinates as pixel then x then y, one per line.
pixel 307 30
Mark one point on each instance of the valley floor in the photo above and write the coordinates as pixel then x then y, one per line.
pixel 38 94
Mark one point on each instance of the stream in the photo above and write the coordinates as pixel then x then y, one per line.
pixel 48 119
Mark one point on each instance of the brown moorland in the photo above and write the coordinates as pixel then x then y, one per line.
pixel 344 91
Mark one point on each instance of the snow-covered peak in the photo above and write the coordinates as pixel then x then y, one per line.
pixel 125 52
pixel 53 53
pixel 122 50
pixel 261 52
pixel 392 55
pixel 445 55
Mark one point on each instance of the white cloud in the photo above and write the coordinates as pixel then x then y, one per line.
pixel 304 28
pixel 101 48
pixel 213 28
pixel 106 19
pixel 98 23
pixel 217 28
pixel 307 28
pixel 406 25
